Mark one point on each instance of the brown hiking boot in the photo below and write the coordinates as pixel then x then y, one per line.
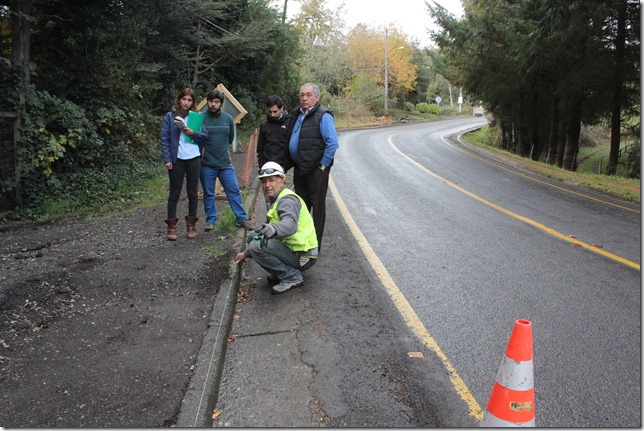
pixel 172 229
pixel 191 223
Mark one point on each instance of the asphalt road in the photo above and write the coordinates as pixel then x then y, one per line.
pixel 474 244
pixel 332 353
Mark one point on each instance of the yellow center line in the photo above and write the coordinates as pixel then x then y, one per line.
pixel 536 180
pixel 404 307
pixel 518 216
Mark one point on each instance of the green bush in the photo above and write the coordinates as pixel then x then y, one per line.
pixel 77 153
pixel 409 107
pixel 426 108
pixel 631 159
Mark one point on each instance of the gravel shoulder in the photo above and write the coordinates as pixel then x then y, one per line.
pixel 101 321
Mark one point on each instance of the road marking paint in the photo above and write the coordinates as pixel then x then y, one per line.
pixel 534 179
pixel 404 307
pixel 518 216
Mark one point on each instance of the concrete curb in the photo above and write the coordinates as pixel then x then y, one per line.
pixel 201 397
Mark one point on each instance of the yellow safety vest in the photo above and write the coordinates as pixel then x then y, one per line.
pixel 304 239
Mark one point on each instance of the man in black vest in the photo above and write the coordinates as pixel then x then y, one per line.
pixel 312 146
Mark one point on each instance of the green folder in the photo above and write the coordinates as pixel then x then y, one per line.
pixel 195 121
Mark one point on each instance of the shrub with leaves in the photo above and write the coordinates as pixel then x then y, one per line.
pixel 426 108
pixel 67 149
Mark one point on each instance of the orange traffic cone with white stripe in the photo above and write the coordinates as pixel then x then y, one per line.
pixel 511 402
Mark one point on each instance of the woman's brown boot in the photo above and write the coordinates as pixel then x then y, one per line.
pixel 191 223
pixel 172 229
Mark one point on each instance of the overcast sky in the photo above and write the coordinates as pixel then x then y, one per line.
pixel 410 15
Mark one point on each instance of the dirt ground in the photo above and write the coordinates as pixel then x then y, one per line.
pixel 101 321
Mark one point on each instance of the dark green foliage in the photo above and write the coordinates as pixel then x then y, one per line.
pixel 545 67
pixel 632 160
pixel 62 142
pixel 103 72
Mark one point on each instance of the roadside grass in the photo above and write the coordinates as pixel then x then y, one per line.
pixel 625 188
pixel 150 193
pixel 226 220
pixel 125 195
pixel 394 116
pixel 213 248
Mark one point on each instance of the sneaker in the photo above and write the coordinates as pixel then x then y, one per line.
pixel 285 286
pixel 209 227
pixel 272 279
pixel 246 224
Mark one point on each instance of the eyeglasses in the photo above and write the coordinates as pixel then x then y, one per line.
pixel 269 171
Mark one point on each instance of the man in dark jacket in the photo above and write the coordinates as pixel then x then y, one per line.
pixel 312 145
pixel 272 144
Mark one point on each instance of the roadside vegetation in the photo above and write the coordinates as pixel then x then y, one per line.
pixel 85 85
pixel 586 175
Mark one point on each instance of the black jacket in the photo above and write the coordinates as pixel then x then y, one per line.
pixel 272 143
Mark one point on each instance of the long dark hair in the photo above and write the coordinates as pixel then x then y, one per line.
pixel 185 92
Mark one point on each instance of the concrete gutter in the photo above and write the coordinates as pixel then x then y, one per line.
pixel 200 399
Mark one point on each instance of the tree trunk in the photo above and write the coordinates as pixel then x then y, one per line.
pixel 197 61
pixel 20 10
pixel 553 144
pixel 573 130
pixel 195 71
pixel 502 144
pixel 535 151
pixel 618 82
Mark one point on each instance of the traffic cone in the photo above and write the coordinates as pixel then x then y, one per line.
pixel 511 402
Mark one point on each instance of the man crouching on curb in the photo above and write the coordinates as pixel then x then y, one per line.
pixel 287 245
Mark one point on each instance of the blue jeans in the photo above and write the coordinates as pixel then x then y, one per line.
pixel 231 187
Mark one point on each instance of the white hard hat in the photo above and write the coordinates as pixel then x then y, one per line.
pixel 270 169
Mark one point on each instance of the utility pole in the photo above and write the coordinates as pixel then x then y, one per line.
pixel 284 14
pixel 386 70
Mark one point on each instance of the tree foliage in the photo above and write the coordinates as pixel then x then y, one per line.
pixel 545 67
pixel 87 81
pixel 368 49
pixel 93 77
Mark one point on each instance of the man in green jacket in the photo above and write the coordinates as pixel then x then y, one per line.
pixel 216 163
pixel 287 244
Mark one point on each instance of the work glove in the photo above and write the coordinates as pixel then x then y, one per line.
pixel 267 230
pixel 178 121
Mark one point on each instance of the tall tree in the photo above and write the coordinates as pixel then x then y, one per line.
pixel 368 50
pixel 623 44
pixel 545 65
pixel 324 59
pixel 19 12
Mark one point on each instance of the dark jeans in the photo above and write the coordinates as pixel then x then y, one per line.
pixel 189 169
pixel 312 189
pixel 277 258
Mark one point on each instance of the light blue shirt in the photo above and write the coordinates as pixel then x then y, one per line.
pixel 329 134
